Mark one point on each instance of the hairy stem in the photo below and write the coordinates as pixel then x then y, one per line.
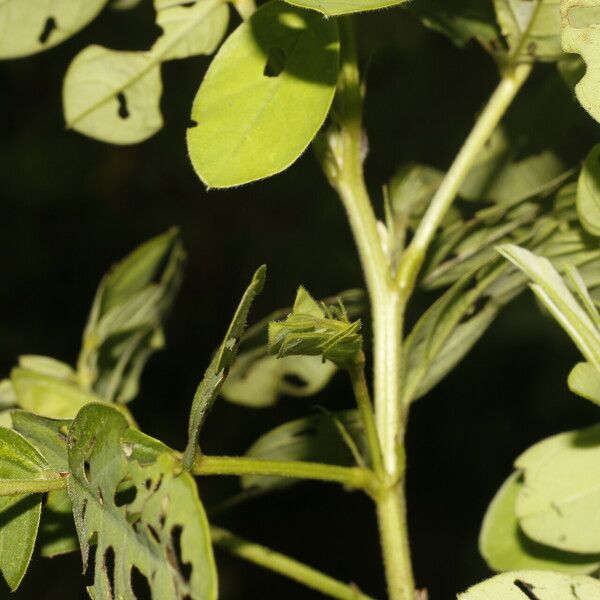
pixel 509 86
pixel 363 401
pixel 279 563
pixel 352 477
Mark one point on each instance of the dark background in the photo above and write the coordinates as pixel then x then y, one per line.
pixel 71 206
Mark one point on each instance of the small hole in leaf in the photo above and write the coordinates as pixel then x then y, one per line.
pixel 109 568
pixel 87 470
pixel 139 584
pixel 154 534
pixel 123 111
pixel 184 568
pixel 192 124
pixel 49 27
pixel 526 588
pixel 275 62
pixel 148 483
pixel 125 494
pixel 294 380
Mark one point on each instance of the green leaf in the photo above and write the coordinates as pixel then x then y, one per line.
pixel 460 20
pixel 30 27
pixel 561 491
pixel 258 380
pixel 114 96
pixel 48 396
pixel 584 380
pixel 159 532
pixel 48 436
pixel 125 325
pixel 333 8
pixel 506 548
pixel 580 35
pixel 531 28
pixel 215 374
pixel 316 330
pixel 19 514
pixel 188 30
pixel 46 365
pixel 588 192
pixel 316 438
pixel 542 585
pixel 276 76
pixel 57 530
pixel 556 296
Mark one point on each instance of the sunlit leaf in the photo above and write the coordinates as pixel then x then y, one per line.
pixel 584 380
pixel 506 548
pixel 545 585
pixel 580 35
pixel 36 25
pixel 343 7
pixel 215 374
pixel 556 296
pixel 114 96
pixel 557 505
pixel 162 531
pixel 265 95
pixel 316 438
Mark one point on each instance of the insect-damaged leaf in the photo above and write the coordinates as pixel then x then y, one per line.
pixel 162 531
pixel 506 548
pixel 542 585
pixel 531 28
pixel 265 95
pixel 36 25
pixel 558 503
pixel 114 96
pixel 215 374
pixel 19 514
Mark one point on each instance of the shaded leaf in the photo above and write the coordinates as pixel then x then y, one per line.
pixel 545 585
pixel 531 28
pixel 506 548
pixel 276 75
pixel 19 514
pixel 588 192
pixel 36 25
pixel 57 530
pixel 161 532
pixel 215 374
pixel 315 438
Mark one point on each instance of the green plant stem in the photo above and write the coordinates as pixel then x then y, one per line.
pixel 509 86
pixel 279 563
pixel 348 179
pixel 16 487
pixel 365 408
pixel 353 477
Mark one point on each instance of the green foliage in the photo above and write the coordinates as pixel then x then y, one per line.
pixel 314 329
pixel 332 8
pixel 580 35
pixel 322 438
pixel 19 513
pixel 35 26
pixel 588 192
pixel 276 74
pixel 217 370
pixel 518 585
pixel 506 547
pixel 158 532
